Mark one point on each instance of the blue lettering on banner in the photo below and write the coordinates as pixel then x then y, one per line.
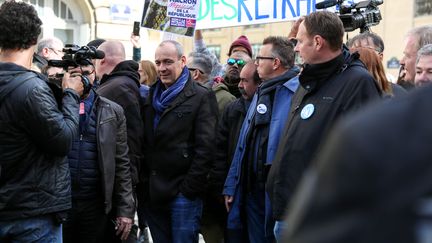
pixel 249 11
pixel 284 3
pixel 240 4
pixel 257 16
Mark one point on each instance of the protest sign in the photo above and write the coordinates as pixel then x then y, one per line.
pixel 173 16
pixel 226 13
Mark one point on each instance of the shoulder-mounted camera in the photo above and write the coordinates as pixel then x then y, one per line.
pixel 357 15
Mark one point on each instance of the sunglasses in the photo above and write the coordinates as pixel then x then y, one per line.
pixel 232 61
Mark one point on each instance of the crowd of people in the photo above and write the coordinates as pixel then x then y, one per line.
pixel 261 148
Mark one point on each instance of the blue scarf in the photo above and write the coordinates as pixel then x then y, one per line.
pixel 163 98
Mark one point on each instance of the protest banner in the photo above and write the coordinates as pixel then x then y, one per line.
pixel 226 13
pixel 172 16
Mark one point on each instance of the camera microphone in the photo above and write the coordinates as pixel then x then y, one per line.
pixel 99 54
pixel 326 4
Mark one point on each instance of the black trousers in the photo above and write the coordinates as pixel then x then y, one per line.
pixel 86 222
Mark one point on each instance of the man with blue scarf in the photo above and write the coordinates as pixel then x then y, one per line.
pixel 180 122
pixel 244 189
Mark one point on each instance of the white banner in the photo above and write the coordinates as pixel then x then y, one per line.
pixel 226 13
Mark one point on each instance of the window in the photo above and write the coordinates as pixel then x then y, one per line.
pixel 216 50
pixel 423 7
pixel 255 49
pixel 61 10
pixel 38 4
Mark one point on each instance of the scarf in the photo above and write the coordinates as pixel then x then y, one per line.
pixel 265 92
pixel 162 97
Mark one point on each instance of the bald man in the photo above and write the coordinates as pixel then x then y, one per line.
pixel 119 82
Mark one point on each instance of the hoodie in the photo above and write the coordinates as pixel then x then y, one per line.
pixel 122 86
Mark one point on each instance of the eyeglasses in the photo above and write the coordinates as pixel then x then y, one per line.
pixel 258 58
pixel 57 52
pixel 193 69
pixel 232 61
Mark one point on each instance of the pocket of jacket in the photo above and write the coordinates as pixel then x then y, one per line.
pixel 107 120
pixel 182 113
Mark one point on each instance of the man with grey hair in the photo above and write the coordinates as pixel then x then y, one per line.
pixel 200 66
pixel 424 66
pixel 50 48
pixel 119 82
pixel 414 40
pixel 244 188
pixel 180 124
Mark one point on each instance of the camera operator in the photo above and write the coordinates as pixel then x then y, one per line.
pixel 35 136
pixel 99 167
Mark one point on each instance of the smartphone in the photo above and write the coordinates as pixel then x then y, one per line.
pixel 136 28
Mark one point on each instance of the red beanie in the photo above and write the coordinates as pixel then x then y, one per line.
pixel 241 41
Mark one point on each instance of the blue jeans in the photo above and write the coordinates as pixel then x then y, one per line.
pixel 279 228
pixel 177 223
pixel 255 217
pixel 185 219
pixel 42 229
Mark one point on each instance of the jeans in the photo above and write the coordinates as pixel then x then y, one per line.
pixel 177 223
pixel 279 228
pixel 42 229
pixel 255 217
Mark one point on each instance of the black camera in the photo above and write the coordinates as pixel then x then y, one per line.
pixel 357 15
pixel 75 56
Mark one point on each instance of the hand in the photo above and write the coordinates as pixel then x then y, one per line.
pixel 73 82
pixel 295 27
pixel 198 35
pixel 124 226
pixel 135 40
pixel 228 202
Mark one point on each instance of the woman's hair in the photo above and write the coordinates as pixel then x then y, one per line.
pixel 150 69
pixel 375 67
pixel 20 25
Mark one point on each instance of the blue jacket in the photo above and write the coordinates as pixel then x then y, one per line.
pixel 83 157
pixel 281 104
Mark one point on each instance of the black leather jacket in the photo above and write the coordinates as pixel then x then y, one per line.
pixel 35 137
pixel 113 158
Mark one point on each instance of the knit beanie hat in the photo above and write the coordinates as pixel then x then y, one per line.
pixel 241 41
pixel 96 43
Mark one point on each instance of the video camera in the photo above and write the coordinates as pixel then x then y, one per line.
pixel 357 15
pixel 75 56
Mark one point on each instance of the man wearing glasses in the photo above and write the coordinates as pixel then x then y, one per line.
pixel 227 90
pixel 244 188
pixel 99 168
pixel 200 66
pixel 50 48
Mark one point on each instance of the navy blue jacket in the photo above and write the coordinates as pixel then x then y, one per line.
pixel 282 100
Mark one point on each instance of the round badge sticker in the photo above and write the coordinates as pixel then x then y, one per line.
pixel 262 109
pixel 307 111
